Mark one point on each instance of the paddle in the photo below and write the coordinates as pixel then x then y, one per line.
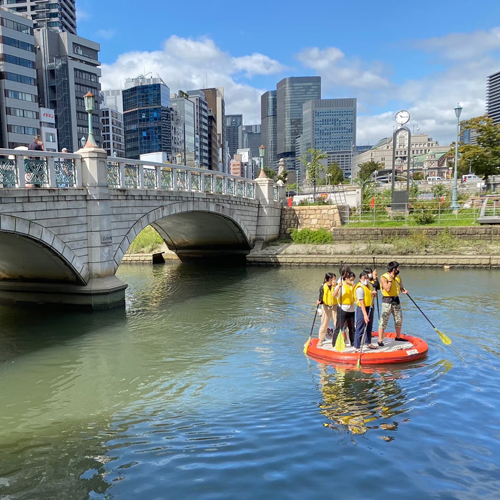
pixel 358 364
pixel 444 338
pixel 306 345
pixel 378 306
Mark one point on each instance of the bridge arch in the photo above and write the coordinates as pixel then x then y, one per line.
pixel 175 221
pixel 30 252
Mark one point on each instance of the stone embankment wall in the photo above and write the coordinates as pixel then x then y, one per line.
pixel 310 217
pixel 347 234
pixel 438 261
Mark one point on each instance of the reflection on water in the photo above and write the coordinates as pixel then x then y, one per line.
pixel 200 389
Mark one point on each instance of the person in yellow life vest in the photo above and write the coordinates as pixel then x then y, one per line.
pixel 346 307
pixel 391 287
pixel 365 294
pixel 329 305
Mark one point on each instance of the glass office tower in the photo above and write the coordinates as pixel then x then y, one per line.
pixel 268 115
pixel 292 93
pixel 146 118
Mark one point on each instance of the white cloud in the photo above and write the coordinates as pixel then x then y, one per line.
pixel 337 70
pixel 461 46
pixel 82 15
pixel 107 34
pixel 186 64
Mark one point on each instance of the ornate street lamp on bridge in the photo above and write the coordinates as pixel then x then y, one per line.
pixel 454 203
pixel 89 99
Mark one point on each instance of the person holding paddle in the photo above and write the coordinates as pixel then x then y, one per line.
pixel 329 306
pixel 364 313
pixel 345 311
pixel 390 284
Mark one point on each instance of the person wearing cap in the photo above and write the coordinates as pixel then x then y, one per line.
pixel 364 312
pixel 390 284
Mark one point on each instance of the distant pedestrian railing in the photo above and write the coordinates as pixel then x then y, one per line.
pixel 419 212
pixel 490 211
pixel 136 174
pixel 23 169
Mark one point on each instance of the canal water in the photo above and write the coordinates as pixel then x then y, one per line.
pixel 200 390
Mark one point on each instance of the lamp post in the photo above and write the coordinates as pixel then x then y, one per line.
pixel 262 152
pixel 89 99
pixel 454 203
pixel 83 140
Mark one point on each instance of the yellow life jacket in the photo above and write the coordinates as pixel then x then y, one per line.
pixel 395 286
pixel 328 298
pixel 368 299
pixel 348 297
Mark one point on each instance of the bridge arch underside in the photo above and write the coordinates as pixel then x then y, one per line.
pixel 25 259
pixel 198 234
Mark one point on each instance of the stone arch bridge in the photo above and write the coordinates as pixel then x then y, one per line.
pixel 66 221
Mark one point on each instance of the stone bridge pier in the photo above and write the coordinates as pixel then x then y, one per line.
pixel 62 242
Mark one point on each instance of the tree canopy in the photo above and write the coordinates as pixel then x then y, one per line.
pixel 312 163
pixel 367 168
pixel 334 174
pixel 484 158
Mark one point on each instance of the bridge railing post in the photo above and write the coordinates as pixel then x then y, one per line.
pixel 141 177
pixel 78 172
pixel 158 177
pixel 174 179
pixel 52 171
pixel 21 174
pixel 122 176
pixel 189 181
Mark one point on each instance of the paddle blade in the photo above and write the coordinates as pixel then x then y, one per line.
pixel 358 364
pixel 306 345
pixel 340 344
pixel 444 338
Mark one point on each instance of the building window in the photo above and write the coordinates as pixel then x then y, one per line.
pixel 18 44
pixel 17 60
pixel 19 129
pixel 14 94
pixel 14 77
pixel 24 113
pixel 13 25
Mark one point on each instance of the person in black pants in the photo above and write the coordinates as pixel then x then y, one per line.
pixel 346 307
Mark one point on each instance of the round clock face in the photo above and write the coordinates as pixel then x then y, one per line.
pixel 402 117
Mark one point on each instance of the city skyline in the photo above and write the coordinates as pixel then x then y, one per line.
pixel 401 61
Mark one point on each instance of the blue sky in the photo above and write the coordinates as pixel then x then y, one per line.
pixel 424 57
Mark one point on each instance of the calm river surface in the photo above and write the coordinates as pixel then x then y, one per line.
pixel 200 390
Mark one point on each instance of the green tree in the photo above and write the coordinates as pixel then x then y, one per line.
pixel 334 174
pixel 367 168
pixel 270 173
pixel 483 158
pixel 312 163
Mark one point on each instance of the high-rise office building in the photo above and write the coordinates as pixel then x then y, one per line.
pixel 147 117
pixel 113 137
pixel 213 142
pixel 215 102
pixel 186 108
pixel 68 67
pixel 292 93
pixel 58 15
pixel 178 148
pixel 19 111
pixel 329 125
pixel 202 158
pixel 252 139
pixel 493 97
pixel 269 123
pixel 234 133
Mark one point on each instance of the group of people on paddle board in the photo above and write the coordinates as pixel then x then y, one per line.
pixel 350 306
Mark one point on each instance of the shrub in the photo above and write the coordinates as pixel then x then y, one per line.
pixel 312 236
pixel 147 241
pixel 422 217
